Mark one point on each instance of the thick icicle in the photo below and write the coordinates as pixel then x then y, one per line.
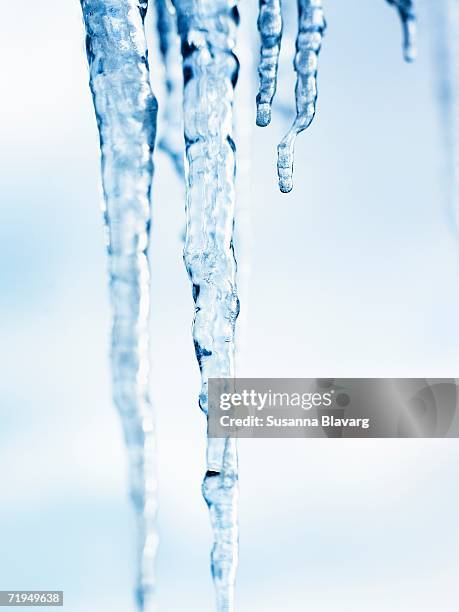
pixel 126 116
pixel 270 28
pixel 207 29
pixel 171 140
pixel 407 14
pixel 311 28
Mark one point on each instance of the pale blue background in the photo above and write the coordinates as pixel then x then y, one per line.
pixel 354 274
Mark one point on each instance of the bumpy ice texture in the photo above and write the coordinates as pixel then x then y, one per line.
pixel 208 29
pixel 270 28
pixel 311 29
pixel 126 116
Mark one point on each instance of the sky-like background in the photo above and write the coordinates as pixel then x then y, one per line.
pixel 355 273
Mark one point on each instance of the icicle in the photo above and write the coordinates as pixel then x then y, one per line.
pixel 207 29
pixel 311 28
pixel 171 141
pixel 270 28
pixel 126 116
pixel 284 105
pixel 408 17
pixel 444 19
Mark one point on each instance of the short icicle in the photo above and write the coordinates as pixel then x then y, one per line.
pixel 407 14
pixel 270 28
pixel 208 30
pixel 126 112
pixel 311 29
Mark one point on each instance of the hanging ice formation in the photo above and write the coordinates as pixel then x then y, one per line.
pixel 311 28
pixel 210 68
pixel 126 117
pixel 126 112
pixel 171 139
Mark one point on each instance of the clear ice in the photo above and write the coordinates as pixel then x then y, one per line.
pixel 126 112
pixel 311 27
pixel 270 28
pixel 407 14
pixel 210 68
pixel 171 139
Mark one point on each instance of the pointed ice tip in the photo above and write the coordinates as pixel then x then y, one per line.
pixel 263 114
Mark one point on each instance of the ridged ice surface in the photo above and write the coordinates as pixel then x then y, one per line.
pixel 406 10
pixel 171 140
pixel 126 116
pixel 270 28
pixel 207 29
pixel 126 110
pixel 311 28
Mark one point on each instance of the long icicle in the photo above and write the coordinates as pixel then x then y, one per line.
pixel 171 137
pixel 311 28
pixel 444 19
pixel 210 67
pixel 405 9
pixel 270 28
pixel 126 111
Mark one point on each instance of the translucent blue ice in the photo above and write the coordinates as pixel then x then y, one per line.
pixel 270 28
pixel 126 110
pixel 311 27
pixel 407 14
pixel 210 68
pixel 171 141
pixel 126 117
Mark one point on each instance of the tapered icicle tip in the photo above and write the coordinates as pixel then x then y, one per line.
pixel 208 31
pixel 126 117
pixel 311 28
pixel 407 14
